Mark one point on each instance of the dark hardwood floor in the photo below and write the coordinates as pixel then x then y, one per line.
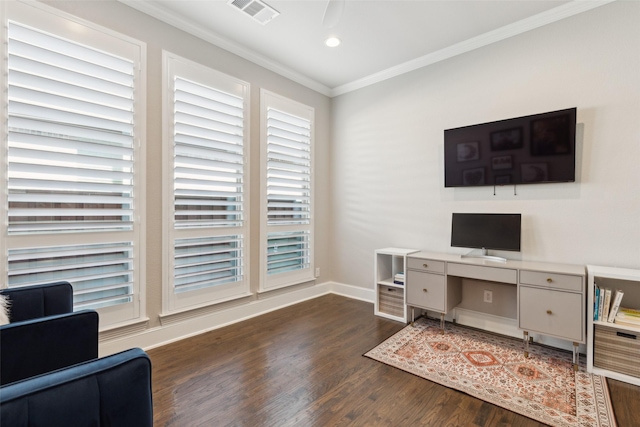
pixel 303 366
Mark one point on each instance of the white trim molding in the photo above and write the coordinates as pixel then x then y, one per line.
pixel 553 15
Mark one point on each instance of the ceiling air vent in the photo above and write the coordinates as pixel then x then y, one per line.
pixel 258 10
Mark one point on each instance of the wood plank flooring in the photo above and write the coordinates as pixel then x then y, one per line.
pixel 303 366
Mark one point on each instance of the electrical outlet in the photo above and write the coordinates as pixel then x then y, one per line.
pixel 318 272
pixel 488 296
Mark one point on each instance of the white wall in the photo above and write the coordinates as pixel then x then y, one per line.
pixel 387 147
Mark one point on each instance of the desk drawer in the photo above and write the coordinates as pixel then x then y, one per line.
pixel 551 312
pixel 423 264
pixel 426 290
pixel 481 272
pixel 551 280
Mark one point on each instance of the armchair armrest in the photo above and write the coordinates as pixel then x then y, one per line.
pixel 37 346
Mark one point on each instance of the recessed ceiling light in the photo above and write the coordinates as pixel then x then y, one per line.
pixel 332 42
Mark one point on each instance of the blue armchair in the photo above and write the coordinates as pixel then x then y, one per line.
pixel 112 391
pixel 45 334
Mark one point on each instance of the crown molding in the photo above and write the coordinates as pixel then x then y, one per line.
pixel 163 15
pixel 556 14
pixel 553 15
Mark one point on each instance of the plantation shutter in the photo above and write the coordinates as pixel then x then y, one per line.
pixel 70 122
pixel 287 142
pixel 71 161
pixel 288 168
pixel 206 164
pixel 209 157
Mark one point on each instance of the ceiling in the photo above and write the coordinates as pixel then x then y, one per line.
pixel 380 38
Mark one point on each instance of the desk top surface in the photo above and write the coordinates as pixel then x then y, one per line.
pixel 574 269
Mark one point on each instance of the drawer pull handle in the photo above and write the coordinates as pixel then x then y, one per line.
pixel 549 312
pixel 549 280
pixel 425 265
pixel 623 335
pixel 424 290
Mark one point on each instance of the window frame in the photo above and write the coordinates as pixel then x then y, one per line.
pixel 172 303
pixel 268 282
pixel 50 20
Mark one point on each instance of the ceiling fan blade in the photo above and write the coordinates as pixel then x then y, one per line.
pixel 333 13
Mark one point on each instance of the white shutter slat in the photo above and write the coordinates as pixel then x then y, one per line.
pixel 121 87
pixel 47 114
pixel 57 226
pixel 206 96
pixel 30 39
pixel 64 95
pixel 205 164
pixel 35 171
pixel 33 157
pixel 62 145
pixel 205 137
pixel 234 120
pixel 208 123
pixel 65 187
pixel 185 152
pixel 71 132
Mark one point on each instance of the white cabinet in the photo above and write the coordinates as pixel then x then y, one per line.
pixel 390 301
pixel 613 350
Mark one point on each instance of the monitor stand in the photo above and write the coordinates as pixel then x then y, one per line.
pixel 484 255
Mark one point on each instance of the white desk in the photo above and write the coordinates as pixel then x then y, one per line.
pixel 550 297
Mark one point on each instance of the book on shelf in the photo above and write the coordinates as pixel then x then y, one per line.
pixel 607 304
pixel 628 312
pixel 615 305
pixel 628 317
pixel 596 302
pixel 398 279
pixel 601 303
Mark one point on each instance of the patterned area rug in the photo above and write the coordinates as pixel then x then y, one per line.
pixel 493 368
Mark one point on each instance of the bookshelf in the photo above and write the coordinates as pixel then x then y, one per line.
pixel 390 297
pixel 613 350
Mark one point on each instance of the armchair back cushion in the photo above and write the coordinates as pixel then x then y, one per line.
pixel 111 391
pixel 36 301
pixel 36 346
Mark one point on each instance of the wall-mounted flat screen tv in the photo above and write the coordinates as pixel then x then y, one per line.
pixel 486 231
pixel 525 150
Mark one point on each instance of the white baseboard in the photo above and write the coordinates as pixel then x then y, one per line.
pixel 354 292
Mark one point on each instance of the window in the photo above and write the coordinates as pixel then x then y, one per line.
pixel 74 173
pixel 205 150
pixel 287 192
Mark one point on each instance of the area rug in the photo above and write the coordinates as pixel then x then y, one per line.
pixel 493 368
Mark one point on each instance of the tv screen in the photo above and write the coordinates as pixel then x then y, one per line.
pixel 524 150
pixel 486 231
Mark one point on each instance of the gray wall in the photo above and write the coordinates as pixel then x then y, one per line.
pixel 387 147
